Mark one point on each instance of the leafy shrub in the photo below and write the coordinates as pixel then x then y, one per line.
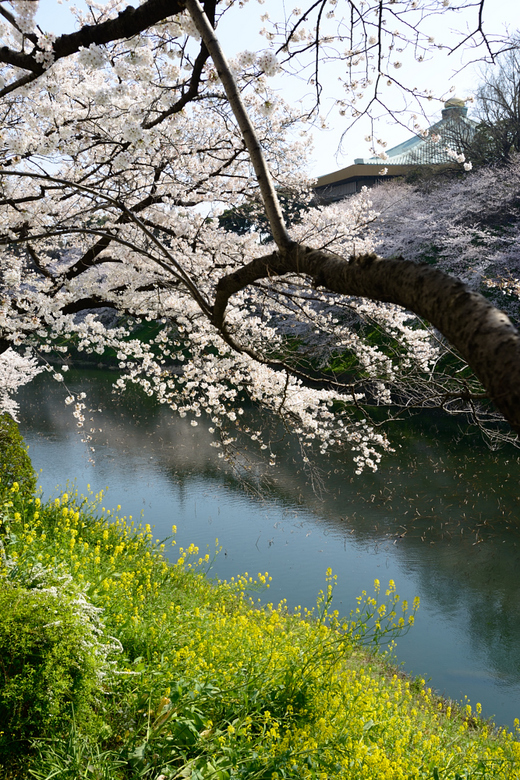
pixel 15 464
pixel 50 662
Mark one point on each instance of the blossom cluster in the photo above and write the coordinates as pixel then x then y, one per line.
pixel 25 12
pixel 468 226
pixel 15 371
pixel 459 157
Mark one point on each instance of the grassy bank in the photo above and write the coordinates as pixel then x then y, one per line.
pixel 115 665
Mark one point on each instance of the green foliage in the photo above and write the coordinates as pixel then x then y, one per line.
pixel 210 685
pixel 495 142
pixel 48 664
pixel 497 137
pixel 15 464
pixel 427 174
pixel 75 758
pixel 250 216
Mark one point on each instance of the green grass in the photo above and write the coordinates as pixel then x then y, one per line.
pixel 15 464
pixel 156 671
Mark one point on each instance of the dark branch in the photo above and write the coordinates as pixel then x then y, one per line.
pixel 482 334
pixel 128 23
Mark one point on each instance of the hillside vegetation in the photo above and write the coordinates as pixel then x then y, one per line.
pixel 118 665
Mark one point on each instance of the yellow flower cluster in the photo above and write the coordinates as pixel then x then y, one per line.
pixel 208 679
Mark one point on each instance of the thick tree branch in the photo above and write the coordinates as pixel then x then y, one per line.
pixel 483 335
pixel 127 23
pixel 272 206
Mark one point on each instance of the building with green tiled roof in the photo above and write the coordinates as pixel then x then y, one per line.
pixel 452 132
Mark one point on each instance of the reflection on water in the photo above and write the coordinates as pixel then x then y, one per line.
pixel 440 518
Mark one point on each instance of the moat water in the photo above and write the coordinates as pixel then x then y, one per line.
pixel 441 517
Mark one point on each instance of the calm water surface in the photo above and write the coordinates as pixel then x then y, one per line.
pixel 441 517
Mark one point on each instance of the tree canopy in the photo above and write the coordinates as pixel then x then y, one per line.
pixel 125 142
pixel 497 140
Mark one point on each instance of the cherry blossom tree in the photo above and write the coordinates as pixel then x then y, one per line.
pixel 467 225
pixel 122 144
pixel 15 371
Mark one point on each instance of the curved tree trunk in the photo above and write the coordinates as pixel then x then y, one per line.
pixel 484 336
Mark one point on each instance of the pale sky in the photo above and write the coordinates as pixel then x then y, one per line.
pixel 439 74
